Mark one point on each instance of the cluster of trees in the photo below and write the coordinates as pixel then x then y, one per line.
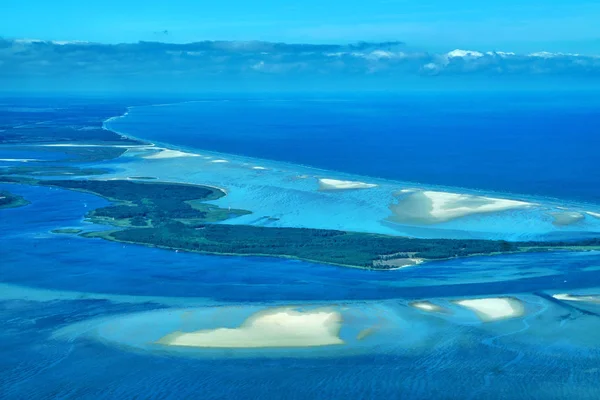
pixel 328 246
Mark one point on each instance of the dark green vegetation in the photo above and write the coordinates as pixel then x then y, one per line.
pixel 32 126
pixel 52 170
pixel 67 231
pixel 175 216
pixel 328 246
pixel 10 200
pixel 150 204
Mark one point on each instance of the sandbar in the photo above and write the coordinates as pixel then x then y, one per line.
pixel 219 161
pixel 426 306
pixel 493 309
pixel 570 297
pixel 167 153
pixel 430 207
pixel 593 214
pixel 279 327
pixel 334 184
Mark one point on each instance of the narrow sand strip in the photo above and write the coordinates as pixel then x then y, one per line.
pixel 334 184
pixel 219 161
pixel 493 309
pixel 593 214
pixel 18 159
pixel 570 297
pixel 279 327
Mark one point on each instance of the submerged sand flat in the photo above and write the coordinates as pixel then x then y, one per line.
pixel 430 207
pixel 492 309
pixel 334 184
pixel 18 159
pixel 280 327
pixel 566 218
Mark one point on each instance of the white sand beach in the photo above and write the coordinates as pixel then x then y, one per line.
pixel 219 161
pixel 493 309
pixel 279 327
pixel 430 207
pixel 334 184
pixel 167 153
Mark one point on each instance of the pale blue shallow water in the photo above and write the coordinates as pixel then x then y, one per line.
pixel 537 143
pixel 551 353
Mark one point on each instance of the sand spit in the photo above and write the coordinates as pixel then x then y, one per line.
pixel 430 207
pixel 570 297
pixel 334 184
pixel 278 327
pixel 566 218
pixel 493 309
pixel 166 153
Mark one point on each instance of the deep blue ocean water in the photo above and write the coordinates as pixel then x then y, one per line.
pixel 538 143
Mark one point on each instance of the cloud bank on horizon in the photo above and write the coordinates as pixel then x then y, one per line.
pixel 86 65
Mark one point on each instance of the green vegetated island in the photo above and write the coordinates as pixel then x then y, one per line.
pixel 11 200
pixel 176 216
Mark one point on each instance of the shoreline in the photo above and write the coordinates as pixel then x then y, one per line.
pixel 321 173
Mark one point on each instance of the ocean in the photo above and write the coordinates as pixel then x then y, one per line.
pixel 82 317
pixel 536 143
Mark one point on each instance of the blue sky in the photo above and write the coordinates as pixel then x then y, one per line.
pixel 435 25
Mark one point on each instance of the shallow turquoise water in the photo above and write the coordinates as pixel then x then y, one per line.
pixel 60 293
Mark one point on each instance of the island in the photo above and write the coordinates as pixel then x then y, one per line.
pixel 10 200
pixel 177 216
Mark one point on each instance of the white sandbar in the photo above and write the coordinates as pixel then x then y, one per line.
pixel 593 214
pixel 569 297
pixel 166 153
pixel 433 207
pixel 426 306
pixel 259 168
pixel 219 161
pixel 492 309
pixel 18 159
pixel 280 327
pixel 334 184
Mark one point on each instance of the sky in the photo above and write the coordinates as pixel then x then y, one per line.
pixel 434 25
